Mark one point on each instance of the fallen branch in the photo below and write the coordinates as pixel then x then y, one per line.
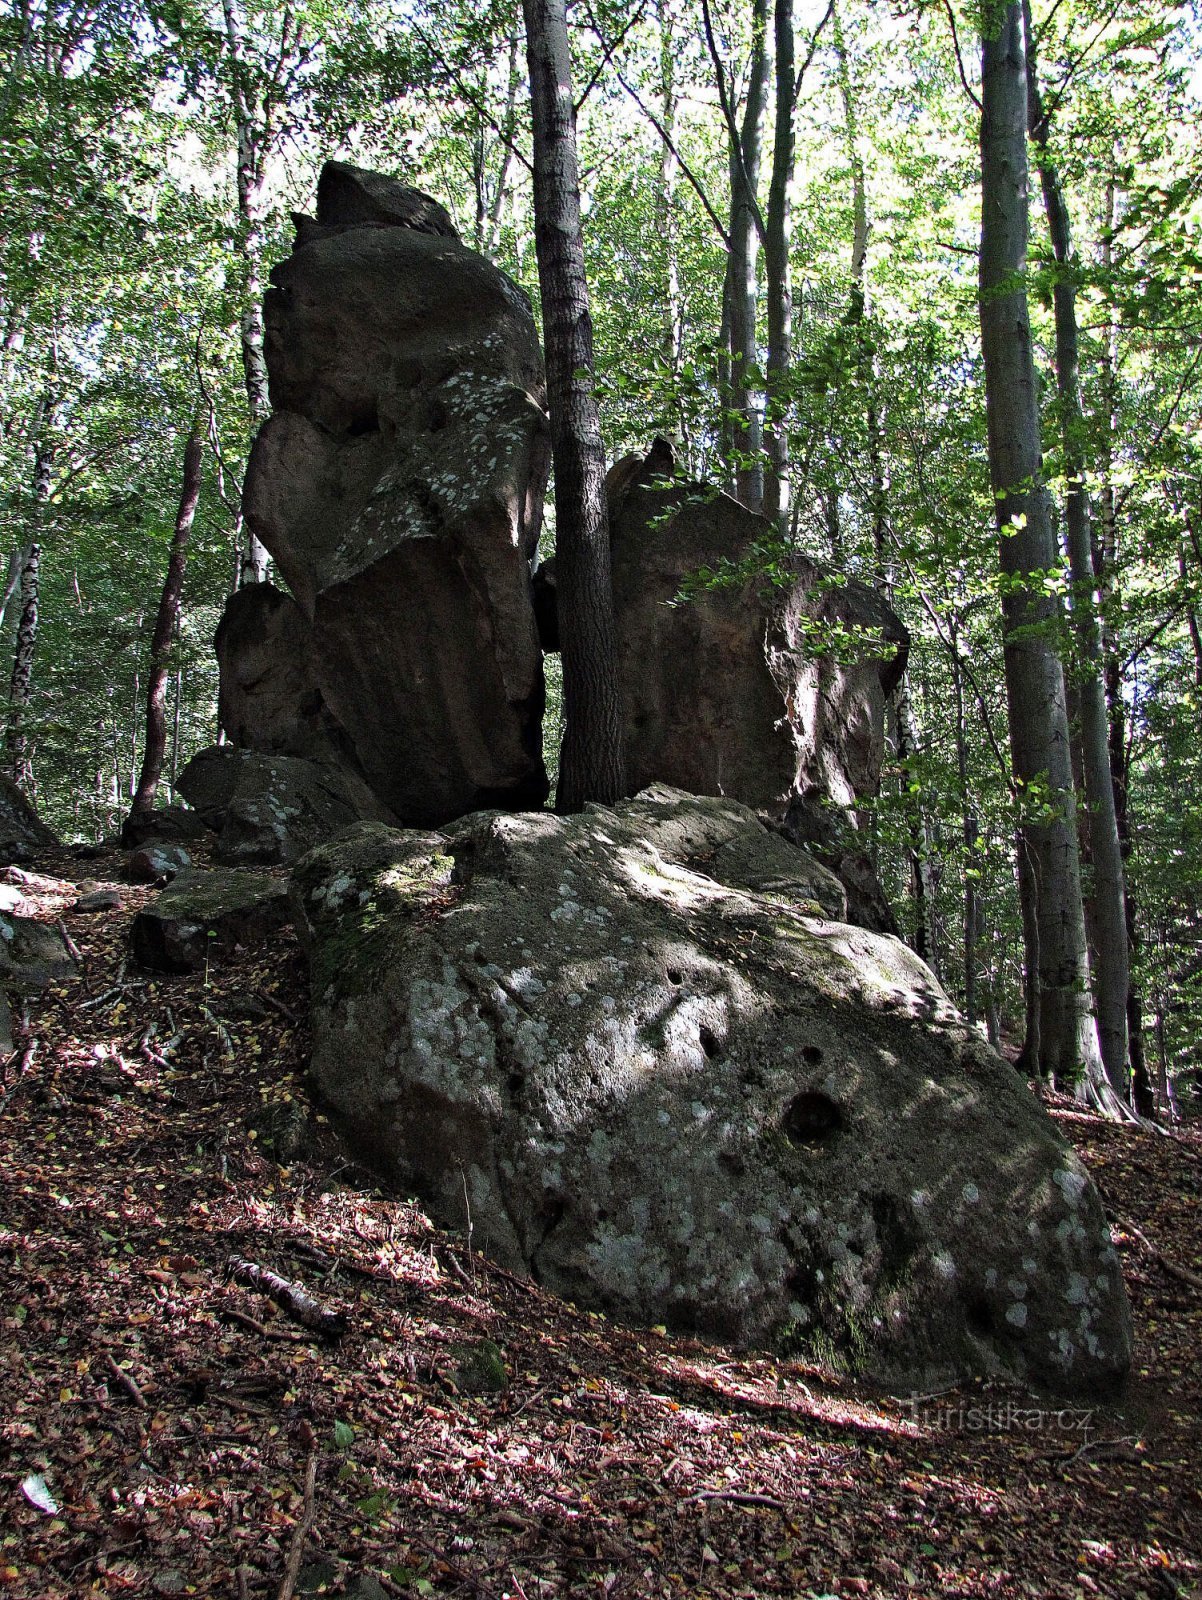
pixel 220 1029
pixel 231 1314
pixel 736 1498
pixel 290 1297
pixel 25 1061
pixel 73 949
pixel 126 1380
pixel 297 1550
pixel 1182 1274
pixel 285 1011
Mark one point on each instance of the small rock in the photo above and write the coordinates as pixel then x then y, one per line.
pixel 481 1368
pixel 98 900
pixel 33 953
pixel 202 914
pixel 157 863
pixel 168 825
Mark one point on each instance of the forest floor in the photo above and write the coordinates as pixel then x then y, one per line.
pixel 165 1431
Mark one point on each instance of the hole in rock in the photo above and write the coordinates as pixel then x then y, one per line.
pixel 516 1084
pixel 675 975
pixel 979 1319
pixel 812 1056
pixel 366 420
pixel 811 1119
pixel 710 1041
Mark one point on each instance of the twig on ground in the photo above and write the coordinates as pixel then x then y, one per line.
pixel 290 1297
pixel 231 1314
pixel 24 1062
pixel 285 1011
pixel 220 1029
pixel 297 1550
pixel 126 1380
pixel 736 1498
pixel 1127 1441
pixel 1173 1268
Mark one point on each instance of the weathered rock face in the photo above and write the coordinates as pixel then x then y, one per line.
pixel 682 1098
pixel 22 834
pixel 774 694
pixel 267 699
pixel 399 487
pixel 207 913
pixel 269 810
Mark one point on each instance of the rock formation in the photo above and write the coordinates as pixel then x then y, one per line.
pixel 268 810
pixel 769 685
pixel 398 485
pixel 674 1089
pixel 22 833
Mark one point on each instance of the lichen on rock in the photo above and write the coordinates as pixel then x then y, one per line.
pixel 684 1100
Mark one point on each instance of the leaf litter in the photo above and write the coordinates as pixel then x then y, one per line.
pixel 168 1426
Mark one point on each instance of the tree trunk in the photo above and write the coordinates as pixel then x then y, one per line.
pixel 969 834
pixel 1111 963
pixel 866 357
pixel 164 629
pixel 672 326
pixel 592 761
pixel 741 289
pixel 778 241
pixel 20 756
pixel 1054 921
pixel 249 174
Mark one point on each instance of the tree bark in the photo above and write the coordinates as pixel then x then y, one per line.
pixel 249 177
pixel 1111 960
pixel 592 760
pixel 1067 1050
pixel 155 748
pixel 778 241
pixel 20 756
pixel 741 287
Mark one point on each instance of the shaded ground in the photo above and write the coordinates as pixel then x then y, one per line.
pixel 167 1418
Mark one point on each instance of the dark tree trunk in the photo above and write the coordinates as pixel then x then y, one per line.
pixel 592 761
pixel 20 756
pixel 164 629
pixel 1050 883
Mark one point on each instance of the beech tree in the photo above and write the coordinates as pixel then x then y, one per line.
pixel 592 761
pixel 1062 1042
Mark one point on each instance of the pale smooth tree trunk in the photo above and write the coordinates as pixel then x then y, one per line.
pixel 1050 880
pixel 861 307
pixel 672 324
pixel 592 761
pixel 155 749
pixel 740 293
pixel 249 176
pixel 1111 963
pixel 778 242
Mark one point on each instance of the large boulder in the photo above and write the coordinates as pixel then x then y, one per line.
pixel 399 486
pixel 671 1088
pixel 769 683
pixel 267 809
